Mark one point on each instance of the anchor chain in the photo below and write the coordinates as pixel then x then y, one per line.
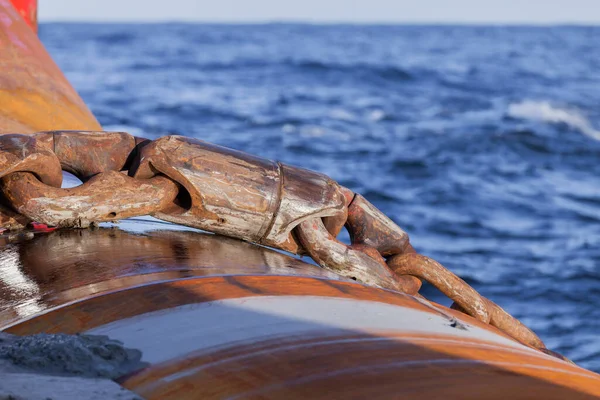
pixel 201 185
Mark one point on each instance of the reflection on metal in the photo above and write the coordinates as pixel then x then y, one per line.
pixel 66 265
pixel 216 317
pixel 220 318
pixel 34 93
pixel 13 277
pixel 227 192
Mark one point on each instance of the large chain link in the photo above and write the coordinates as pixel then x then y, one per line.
pixel 224 191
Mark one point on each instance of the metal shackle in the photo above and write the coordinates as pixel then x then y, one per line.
pixel 236 194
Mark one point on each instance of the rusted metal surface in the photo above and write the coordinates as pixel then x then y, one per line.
pixel 88 313
pixel 239 195
pixel 466 298
pixel 34 93
pixel 25 153
pixel 448 283
pixel 94 201
pixel 304 195
pixel 85 154
pixel 369 226
pixel 22 153
pixel 352 262
pixel 12 220
pixel 28 10
pixel 197 184
pixel 82 153
pixel 284 336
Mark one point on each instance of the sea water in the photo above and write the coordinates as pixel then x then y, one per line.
pixel 482 142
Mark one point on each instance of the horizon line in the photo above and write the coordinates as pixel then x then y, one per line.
pixel 324 22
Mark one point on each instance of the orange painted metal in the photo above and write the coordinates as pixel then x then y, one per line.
pixel 370 365
pixel 79 282
pixel 34 93
pixel 29 11
pixel 360 364
pixel 82 281
pixel 73 265
pixel 89 313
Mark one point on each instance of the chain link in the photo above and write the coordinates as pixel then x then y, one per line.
pixel 224 191
pixel 107 196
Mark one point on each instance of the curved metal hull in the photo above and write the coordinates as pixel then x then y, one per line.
pixel 219 318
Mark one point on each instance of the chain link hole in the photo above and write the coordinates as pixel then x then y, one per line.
pixel 434 294
pixel 70 180
pixel 344 236
pixel 183 201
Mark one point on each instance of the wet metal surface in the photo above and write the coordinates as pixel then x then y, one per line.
pixel 198 306
pixel 355 365
pixel 228 192
pixel 302 337
pixel 42 270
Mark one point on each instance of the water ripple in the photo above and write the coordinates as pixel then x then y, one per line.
pixel 482 142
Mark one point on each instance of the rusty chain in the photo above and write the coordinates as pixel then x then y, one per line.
pixel 201 185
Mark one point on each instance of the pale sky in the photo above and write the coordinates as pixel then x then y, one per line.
pixel 362 11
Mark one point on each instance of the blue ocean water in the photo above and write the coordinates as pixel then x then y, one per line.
pixel 482 142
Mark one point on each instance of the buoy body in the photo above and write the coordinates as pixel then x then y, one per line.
pixel 215 317
pixel 34 93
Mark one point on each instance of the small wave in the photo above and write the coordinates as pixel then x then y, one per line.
pixel 546 112
pixel 116 38
pixel 387 72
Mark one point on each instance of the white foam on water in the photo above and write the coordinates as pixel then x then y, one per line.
pixel 546 112
pixel 376 115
